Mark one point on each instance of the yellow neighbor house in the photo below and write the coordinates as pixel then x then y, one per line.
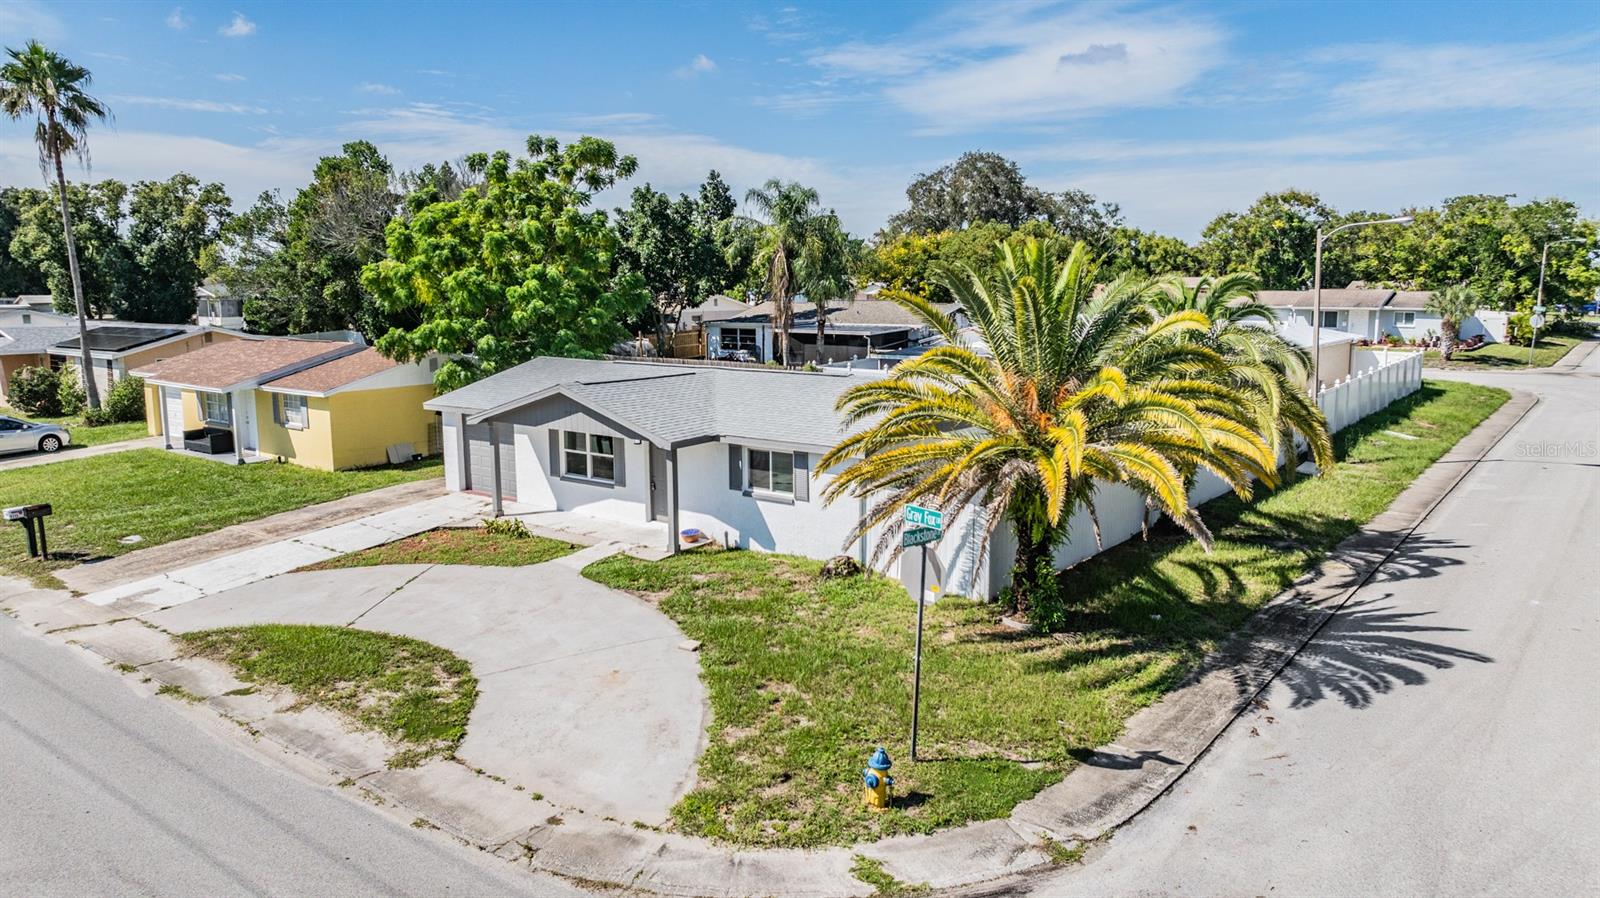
pixel 318 403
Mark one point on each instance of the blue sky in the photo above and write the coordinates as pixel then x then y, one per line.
pixel 1175 111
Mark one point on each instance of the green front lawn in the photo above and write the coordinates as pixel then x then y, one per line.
pixel 455 545
pixel 411 691
pixel 161 497
pixel 1493 356
pixel 805 677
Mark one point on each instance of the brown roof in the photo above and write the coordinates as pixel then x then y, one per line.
pixel 223 365
pixel 1331 299
pixel 342 371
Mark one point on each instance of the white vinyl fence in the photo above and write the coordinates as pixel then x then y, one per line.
pixel 1122 512
pixel 1389 377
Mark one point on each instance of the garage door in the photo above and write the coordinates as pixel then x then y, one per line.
pixel 480 461
pixel 172 408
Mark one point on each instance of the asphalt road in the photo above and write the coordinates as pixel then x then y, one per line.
pixel 1441 737
pixel 104 791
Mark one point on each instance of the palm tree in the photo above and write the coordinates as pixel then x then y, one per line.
pixel 42 84
pixel 1454 305
pixel 1264 366
pixel 823 269
pixel 788 210
pixel 1076 387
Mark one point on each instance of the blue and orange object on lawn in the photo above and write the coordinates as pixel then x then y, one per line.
pixel 879 784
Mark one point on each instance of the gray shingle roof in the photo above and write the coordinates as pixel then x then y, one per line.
pixel 674 403
pixel 30 339
pixel 1331 299
pixel 1410 299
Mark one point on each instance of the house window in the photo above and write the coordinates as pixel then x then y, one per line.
pixel 295 414
pixel 1405 319
pixel 214 408
pixel 588 455
pixel 1330 319
pixel 770 472
pixel 736 338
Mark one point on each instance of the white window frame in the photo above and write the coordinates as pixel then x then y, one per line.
pixel 1405 319
pixel 751 480
pixel 1340 319
pixel 295 411
pixel 588 449
pixel 221 399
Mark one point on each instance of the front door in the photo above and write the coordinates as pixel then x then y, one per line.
pixel 172 408
pixel 658 483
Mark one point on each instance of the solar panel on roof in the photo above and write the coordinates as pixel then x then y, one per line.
pixel 117 339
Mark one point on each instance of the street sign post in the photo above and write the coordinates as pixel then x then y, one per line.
pixel 926 525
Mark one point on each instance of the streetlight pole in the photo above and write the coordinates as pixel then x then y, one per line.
pixel 1316 294
pixel 1537 317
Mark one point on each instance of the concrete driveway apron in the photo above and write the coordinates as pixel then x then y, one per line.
pixel 584 694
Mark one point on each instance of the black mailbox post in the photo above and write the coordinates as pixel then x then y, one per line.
pixel 31 517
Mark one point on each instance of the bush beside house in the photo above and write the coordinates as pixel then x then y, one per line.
pixel 36 390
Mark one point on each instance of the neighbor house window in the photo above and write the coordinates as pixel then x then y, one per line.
pixel 1330 319
pixel 771 472
pixel 588 455
pixel 295 414
pixel 1405 319
pixel 735 338
pixel 214 408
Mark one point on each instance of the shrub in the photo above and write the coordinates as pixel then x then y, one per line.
pixel 512 527
pixel 125 402
pixel 1519 329
pixel 36 391
pixel 69 391
pixel 96 417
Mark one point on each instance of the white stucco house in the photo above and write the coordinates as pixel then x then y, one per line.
pixel 1372 314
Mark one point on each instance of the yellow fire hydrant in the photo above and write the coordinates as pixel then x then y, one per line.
pixel 879 784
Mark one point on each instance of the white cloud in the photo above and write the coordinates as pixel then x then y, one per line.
pixel 1023 63
pixel 26 20
pixel 1408 79
pixel 228 76
pixel 613 119
pixel 238 27
pixel 372 87
pixel 177 21
pixel 701 64
pixel 188 105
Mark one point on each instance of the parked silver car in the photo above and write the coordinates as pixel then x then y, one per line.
pixel 17 435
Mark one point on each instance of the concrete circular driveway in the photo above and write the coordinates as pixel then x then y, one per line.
pixel 584 695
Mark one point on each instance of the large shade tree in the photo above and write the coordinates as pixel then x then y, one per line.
pixel 673 244
pixel 1072 386
pixel 515 267
pixel 39 84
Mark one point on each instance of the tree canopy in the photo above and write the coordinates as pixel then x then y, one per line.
pixel 675 246
pixel 513 268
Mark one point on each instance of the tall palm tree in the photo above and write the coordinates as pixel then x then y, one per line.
pixel 788 209
pixel 1076 387
pixel 42 84
pixel 1265 367
pixel 1454 305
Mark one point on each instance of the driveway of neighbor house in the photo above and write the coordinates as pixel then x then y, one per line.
pixel 584 693
pixel 31 459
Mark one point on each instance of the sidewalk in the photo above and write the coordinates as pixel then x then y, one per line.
pixel 155 560
pixel 70 453
pixel 242 567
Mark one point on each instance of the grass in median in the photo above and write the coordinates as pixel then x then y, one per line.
pixel 805 677
pixel 1494 356
pixel 161 497
pixel 455 545
pixel 411 691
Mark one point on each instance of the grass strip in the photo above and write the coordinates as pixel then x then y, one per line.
pixel 455 545
pixel 414 692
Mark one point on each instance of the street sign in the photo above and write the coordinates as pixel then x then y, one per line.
pixel 1538 310
pixel 1537 320
pixel 917 516
pixel 920 536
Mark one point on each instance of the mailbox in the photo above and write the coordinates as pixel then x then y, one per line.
pixel 31 517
